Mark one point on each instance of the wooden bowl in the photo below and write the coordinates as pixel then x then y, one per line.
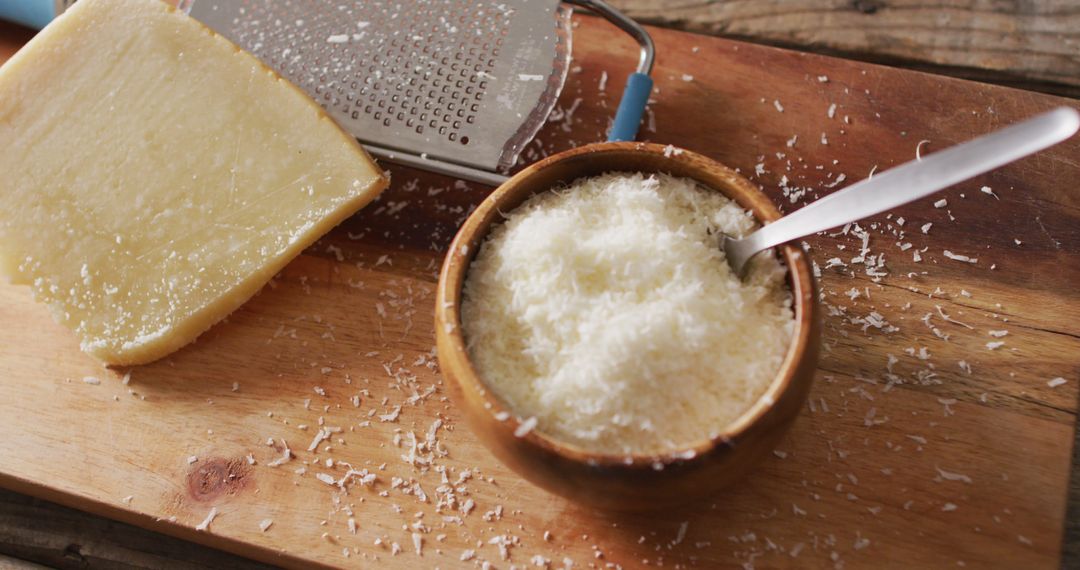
pixel 618 481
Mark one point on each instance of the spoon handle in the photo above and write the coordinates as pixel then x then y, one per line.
pixel 918 178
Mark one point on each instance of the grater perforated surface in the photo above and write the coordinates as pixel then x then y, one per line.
pixel 468 82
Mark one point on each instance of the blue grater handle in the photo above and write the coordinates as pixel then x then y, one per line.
pixel 33 13
pixel 631 108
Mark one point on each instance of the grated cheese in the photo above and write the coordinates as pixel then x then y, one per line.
pixel 205 525
pixel 958 257
pixel 608 313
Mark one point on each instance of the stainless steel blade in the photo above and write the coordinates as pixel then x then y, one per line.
pixel 456 81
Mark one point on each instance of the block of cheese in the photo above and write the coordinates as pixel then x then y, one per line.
pixel 153 176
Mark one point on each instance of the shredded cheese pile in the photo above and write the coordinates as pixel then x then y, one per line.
pixel 606 311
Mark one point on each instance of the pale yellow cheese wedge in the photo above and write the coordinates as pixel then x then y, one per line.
pixel 153 176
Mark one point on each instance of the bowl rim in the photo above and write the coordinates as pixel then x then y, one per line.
pixel 451 283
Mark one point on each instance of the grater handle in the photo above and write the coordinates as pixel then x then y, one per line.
pixel 32 13
pixel 639 84
pixel 631 108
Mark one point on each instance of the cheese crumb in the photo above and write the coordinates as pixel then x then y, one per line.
pixel 203 526
pixel 918 149
pixel 525 427
pixel 958 257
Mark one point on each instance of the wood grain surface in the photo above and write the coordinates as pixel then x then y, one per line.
pixel 1029 44
pixel 33 529
pixel 926 465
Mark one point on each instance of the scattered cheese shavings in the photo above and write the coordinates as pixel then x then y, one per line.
pixel 286 455
pixel 995 344
pixel 530 77
pixel 337 39
pixel 998 334
pixel 941 203
pixel 91 380
pixel 392 416
pixel 861 542
pixel 1054 383
pixel 321 436
pixel 682 532
pixel 525 427
pixel 779 107
pixel 959 257
pixel 837 181
pixel 670 151
pixel 209 519
pixel 987 190
pixel 418 543
pixel 949 476
pixel 918 149
pixel 941 312
pixel 265 524
pixel 926 227
pixel 326 478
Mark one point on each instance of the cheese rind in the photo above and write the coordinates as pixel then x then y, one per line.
pixel 155 176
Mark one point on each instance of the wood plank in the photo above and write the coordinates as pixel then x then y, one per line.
pixel 32 529
pixel 1025 44
pixel 7 563
pixel 873 472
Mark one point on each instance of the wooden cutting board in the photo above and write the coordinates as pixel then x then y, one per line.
pixel 931 465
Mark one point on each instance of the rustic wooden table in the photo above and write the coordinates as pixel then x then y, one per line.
pixel 1033 47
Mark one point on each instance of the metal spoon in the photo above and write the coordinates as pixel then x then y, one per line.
pixel 908 182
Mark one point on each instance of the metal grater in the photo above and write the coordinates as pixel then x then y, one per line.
pixel 457 87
